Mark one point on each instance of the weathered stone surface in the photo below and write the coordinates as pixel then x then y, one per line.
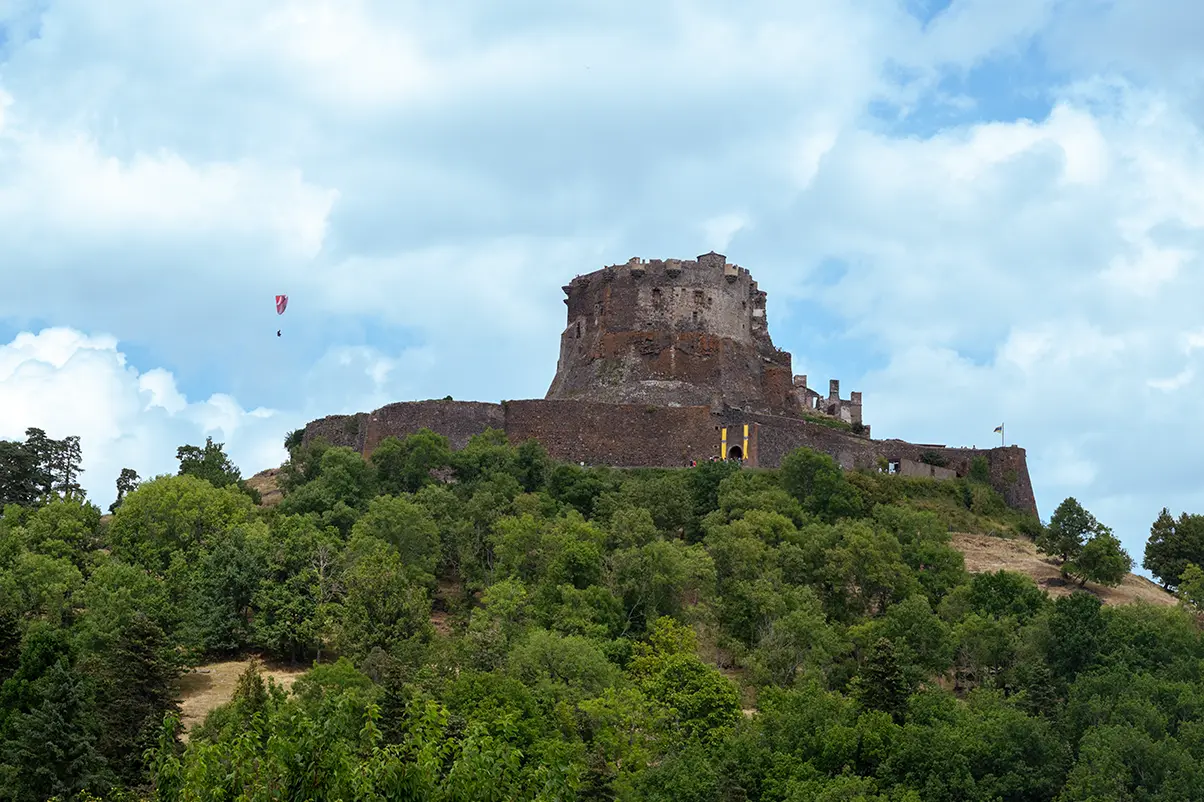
pixel 657 359
pixel 646 435
pixel 675 333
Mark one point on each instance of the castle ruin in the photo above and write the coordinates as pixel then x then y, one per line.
pixel 676 333
pixel 665 362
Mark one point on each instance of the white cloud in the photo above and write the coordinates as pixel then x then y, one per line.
pixel 68 383
pixel 717 232
pixel 421 179
pixel 1176 382
pixel 68 185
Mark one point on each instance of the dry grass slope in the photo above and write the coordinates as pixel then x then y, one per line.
pixel 212 685
pixel 986 554
pixel 268 486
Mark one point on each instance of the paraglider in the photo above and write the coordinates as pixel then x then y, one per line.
pixel 281 305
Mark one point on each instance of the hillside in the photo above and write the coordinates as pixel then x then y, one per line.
pixel 987 553
pixel 265 482
pixel 983 553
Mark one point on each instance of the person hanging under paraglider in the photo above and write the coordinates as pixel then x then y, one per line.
pixel 281 305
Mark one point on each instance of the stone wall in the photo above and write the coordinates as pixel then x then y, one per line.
pixel 643 435
pixel 923 470
pixel 338 430
pixel 671 333
pixel 1008 466
pixel 777 436
pixel 458 421
pixel 628 435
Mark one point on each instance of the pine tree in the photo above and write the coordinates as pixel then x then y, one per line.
pixel 67 457
pixel 42 451
pixel 127 482
pixel 10 643
pixel 1172 545
pixel 881 684
pixel 54 745
pixel 1039 693
pixel 137 690
pixel 19 474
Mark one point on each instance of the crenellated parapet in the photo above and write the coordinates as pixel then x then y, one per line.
pixel 674 332
pixel 832 405
pixel 665 362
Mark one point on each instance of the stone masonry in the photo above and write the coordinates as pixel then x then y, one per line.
pixel 664 362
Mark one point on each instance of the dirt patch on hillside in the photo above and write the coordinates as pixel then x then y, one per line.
pixel 985 554
pixel 212 685
pixel 268 484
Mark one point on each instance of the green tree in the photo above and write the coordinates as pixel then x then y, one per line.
pixel 20 476
pixel 656 579
pixel 1076 631
pixel 381 607
pixel 342 484
pixel 1191 588
pixel 43 587
pixel 404 466
pixel 1102 560
pixel 127 482
pixel 10 644
pixel 53 749
pixel 43 452
pixel 817 481
pixel 136 688
pixel 799 639
pixel 880 683
pixel 174 516
pixel 66 456
pixel 63 527
pixel 115 596
pixel 409 528
pixel 1068 529
pixel 293 602
pixel 700 702
pixel 227 576
pixel 208 462
pixel 1007 593
pixel 1172 545
pixel 293 439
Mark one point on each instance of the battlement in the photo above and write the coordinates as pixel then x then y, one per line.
pixel 833 405
pixel 678 332
pixel 724 295
pixel 666 362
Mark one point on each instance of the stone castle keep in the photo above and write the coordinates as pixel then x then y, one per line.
pixel 663 362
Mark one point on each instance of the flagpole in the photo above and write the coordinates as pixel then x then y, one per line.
pixel 1002 436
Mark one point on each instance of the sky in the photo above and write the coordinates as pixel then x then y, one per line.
pixel 974 212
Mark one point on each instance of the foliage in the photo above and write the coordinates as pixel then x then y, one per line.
pixel 126 483
pixel 1101 560
pixel 487 624
pixel 1173 544
pixel 39 467
pixel 979 470
pixel 1069 528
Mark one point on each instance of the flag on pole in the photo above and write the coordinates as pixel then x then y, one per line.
pixel 999 428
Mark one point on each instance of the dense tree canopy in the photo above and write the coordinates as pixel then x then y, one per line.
pixel 487 624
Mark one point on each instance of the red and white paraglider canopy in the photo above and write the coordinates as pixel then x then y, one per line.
pixel 281 304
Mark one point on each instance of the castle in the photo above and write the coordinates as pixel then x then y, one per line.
pixel 667 362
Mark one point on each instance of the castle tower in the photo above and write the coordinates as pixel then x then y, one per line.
pixel 672 333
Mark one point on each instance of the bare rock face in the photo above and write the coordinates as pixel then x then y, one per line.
pixel 672 333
